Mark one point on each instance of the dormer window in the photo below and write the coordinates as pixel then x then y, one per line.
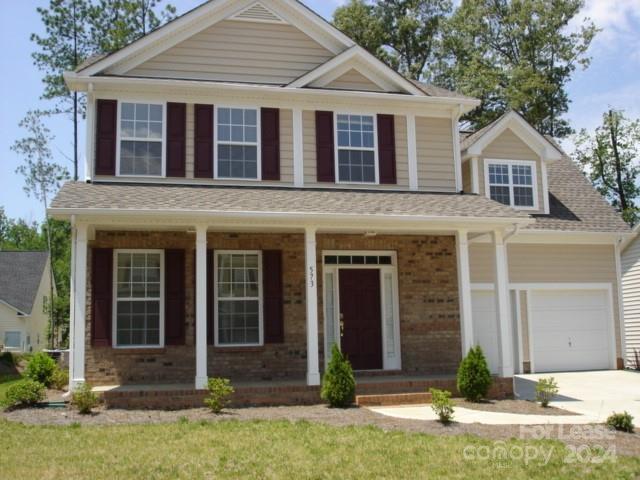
pixel 141 139
pixel 512 183
pixel 356 149
pixel 237 137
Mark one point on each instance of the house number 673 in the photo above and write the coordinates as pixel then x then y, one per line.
pixel 312 278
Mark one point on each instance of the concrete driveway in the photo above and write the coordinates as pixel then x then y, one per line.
pixel 595 394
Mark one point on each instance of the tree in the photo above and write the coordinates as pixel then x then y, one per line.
pixel 516 54
pixel 403 33
pixel 42 177
pixel 64 46
pixel 610 158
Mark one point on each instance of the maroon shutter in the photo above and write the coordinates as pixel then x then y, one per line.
pixel 273 313
pixel 101 296
pixel 174 297
pixel 203 140
pixel 176 139
pixel 387 149
pixel 270 133
pixel 106 133
pixel 211 299
pixel 324 147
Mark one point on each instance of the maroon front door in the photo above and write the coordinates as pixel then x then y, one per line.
pixel 360 314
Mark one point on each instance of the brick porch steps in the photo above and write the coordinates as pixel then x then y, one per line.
pixel 386 400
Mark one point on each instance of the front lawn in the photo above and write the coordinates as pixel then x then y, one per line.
pixel 269 449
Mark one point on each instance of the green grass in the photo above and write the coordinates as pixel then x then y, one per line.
pixel 233 449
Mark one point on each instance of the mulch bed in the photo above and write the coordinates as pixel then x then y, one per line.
pixel 626 444
pixel 522 407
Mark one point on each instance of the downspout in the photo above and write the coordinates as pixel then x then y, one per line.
pixel 621 321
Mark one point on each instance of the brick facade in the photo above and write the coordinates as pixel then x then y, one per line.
pixel 429 310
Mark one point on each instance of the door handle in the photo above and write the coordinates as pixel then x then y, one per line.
pixel 341 325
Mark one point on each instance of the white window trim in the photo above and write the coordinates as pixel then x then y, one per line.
pixel 114 315
pixel 510 163
pixel 388 362
pixel 119 137
pixel 217 343
pixel 337 148
pixel 216 116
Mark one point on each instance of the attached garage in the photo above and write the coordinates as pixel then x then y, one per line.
pixel 571 329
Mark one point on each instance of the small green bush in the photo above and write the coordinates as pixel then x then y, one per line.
pixel 546 389
pixel 84 399
pixel 622 422
pixel 220 390
pixel 24 393
pixel 441 404
pixel 41 368
pixel 474 377
pixel 338 383
pixel 59 379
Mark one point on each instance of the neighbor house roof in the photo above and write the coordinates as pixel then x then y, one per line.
pixel 20 277
pixel 123 198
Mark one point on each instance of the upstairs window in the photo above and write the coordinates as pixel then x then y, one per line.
pixel 356 149
pixel 512 183
pixel 141 139
pixel 237 143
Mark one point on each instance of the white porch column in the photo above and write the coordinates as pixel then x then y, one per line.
pixel 298 148
pixel 201 307
pixel 78 304
pixel 464 286
pixel 503 315
pixel 313 362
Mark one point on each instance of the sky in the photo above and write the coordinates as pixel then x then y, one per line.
pixel 612 80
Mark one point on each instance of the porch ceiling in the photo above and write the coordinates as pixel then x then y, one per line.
pixel 357 209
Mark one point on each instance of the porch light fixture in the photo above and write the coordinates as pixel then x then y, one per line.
pixel 371 234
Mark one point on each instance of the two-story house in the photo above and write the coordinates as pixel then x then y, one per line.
pixel 259 188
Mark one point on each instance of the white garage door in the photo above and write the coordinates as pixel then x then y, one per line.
pixel 570 330
pixel 485 327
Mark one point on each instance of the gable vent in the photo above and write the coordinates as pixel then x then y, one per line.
pixel 258 13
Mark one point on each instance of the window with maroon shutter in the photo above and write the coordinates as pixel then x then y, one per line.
pixel 203 141
pixel 325 154
pixel 273 313
pixel 270 128
pixel 387 149
pixel 176 139
pixel 174 297
pixel 101 296
pixel 106 136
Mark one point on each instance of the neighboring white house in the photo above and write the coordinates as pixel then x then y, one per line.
pixel 631 294
pixel 24 290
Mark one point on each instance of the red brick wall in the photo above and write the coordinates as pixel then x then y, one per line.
pixel 429 310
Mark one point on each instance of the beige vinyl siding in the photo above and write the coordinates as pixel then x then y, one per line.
pixel 286 146
pixel 189 160
pixel 402 151
pixel 508 146
pixel 309 146
pixel 434 144
pixel 550 264
pixel 241 52
pixel 354 80
pixel 631 295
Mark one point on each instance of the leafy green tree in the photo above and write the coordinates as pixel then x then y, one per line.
pixel 403 33
pixel 19 235
pixel 42 178
pixel 516 54
pixel 611 159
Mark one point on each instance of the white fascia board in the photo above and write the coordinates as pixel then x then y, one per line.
pixel 529 135
pixel 193 87
pixel 206 15
pixel 17 310
pixel 566 237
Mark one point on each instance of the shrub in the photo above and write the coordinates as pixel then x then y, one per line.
pixel 622 422
pixel 41 368
pixel 59 379
pixel 84 399
pixel 338 383
pixel 441 404
pixel 474 377
pixel 220 390
pixel 546 389
pixel 24 393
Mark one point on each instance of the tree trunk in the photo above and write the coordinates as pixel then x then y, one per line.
pixel 613 134
pixel 52 319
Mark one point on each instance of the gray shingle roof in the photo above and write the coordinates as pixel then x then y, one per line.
pixel 434 91
pixel 20 276
pixel 123 197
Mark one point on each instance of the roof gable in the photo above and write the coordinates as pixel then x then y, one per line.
pixel 353 80
pixel 201 18
pixel 20 277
